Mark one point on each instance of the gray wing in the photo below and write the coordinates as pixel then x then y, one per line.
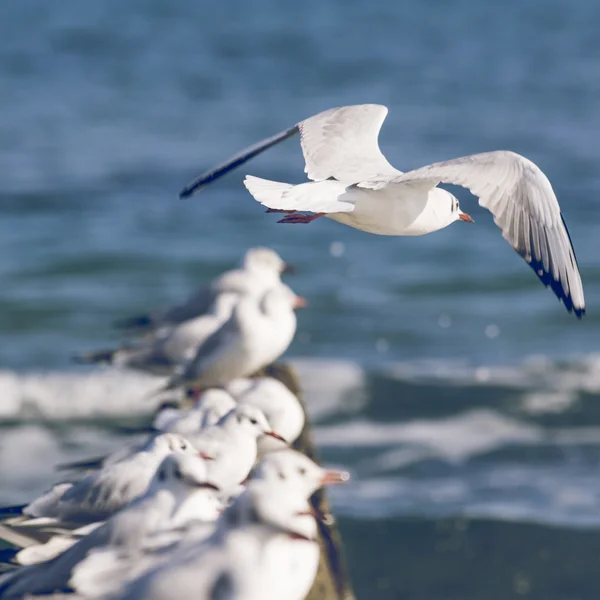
pixel 214 345
pixel 526 210
pixel 342 143
pixel 236 161
pixel 195 306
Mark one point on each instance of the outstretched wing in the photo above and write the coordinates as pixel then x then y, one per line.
pixel 236 161
pixel 342 143
pixel 526 210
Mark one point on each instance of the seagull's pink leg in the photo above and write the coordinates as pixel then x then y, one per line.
pixel 299 218
pixel 279 210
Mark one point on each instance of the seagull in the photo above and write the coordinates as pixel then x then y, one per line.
pixel 100 494
pixel 293 468
pixel 230 446
pixel 258 332
pixel 170 347
pixel 261 268
pixel 177 478
pixel 354 184
pixel 279 405
pixel 212 404
pixel 265 545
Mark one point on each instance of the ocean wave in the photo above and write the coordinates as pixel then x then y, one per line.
pixel 552 495
pixel 455 438
pixel 330 386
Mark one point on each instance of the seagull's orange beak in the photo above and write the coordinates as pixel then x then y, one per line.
pixel 466 218
pixel 300 302
pixel 335 477
pixel 276 436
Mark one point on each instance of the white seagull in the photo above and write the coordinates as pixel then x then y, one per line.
pixel 261 268
pixel 230 446
pixel 353 183
pixel 258 332
pixel 100 494
pixel 177 478
pixel 281 407
pixel 169 347
pixel 212 404
pixel 265 546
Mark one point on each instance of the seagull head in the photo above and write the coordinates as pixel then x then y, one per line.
pixel 457 213
pixel 253 421
pixel 290 469
pixel 264 260
pixel 182 473
pixel 167 443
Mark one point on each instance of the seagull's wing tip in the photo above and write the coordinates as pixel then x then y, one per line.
pixel 187 192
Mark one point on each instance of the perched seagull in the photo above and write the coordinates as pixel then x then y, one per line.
pixel 170 347
pixel 258 332
pixel 353 183
pixel 261 269
pixel 265 546
pixel 100 494
pixel 177 478
pixel 210 407
pixel 279 405
pixel 230 446
pixel 293 468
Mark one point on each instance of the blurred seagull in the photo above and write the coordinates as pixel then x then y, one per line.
pixel 258 332
pixel 230 446
pixel 212 404
pixel 100 494
pixel 279 405
pixel 354 184
pixel 261 269
pixel 264 548
pixel 168 348
pixel 177 478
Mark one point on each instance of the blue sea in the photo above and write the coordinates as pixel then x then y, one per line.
pixel 461 395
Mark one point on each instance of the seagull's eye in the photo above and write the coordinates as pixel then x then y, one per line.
pixel 302 471
pixel 183 446
pixel 281 475
pixel 253 421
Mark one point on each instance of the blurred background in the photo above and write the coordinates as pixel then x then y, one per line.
pixel 462 396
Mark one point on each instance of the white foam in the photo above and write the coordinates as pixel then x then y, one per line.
pixel 330 386
pixel 72 395
pixel 454 439
pixel 578 374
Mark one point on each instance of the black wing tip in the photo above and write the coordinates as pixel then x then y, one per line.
pixel 189 190
pixel 16 509
pixel 556 286
pixel 236 161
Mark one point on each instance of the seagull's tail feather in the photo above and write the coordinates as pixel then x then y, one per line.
pixel 315 196
pixel 268 193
